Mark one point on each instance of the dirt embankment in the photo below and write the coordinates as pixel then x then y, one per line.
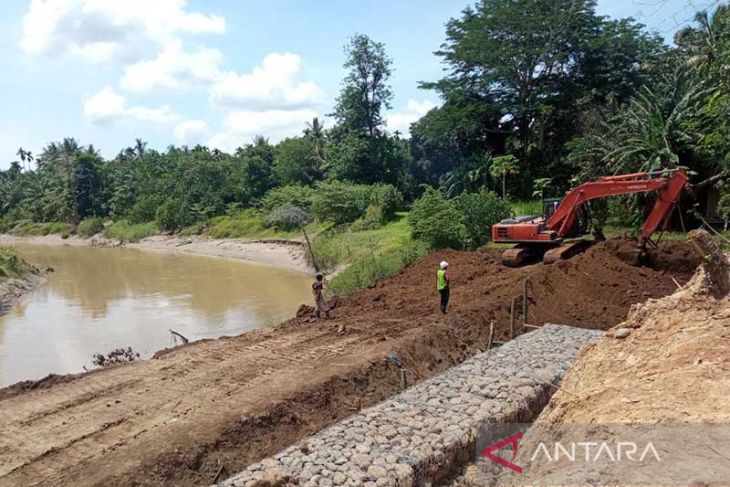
pixel 223 404
pixel 17 280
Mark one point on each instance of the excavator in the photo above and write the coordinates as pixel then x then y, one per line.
pixel 547 237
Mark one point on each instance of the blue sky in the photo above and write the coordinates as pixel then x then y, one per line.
pixel 218 71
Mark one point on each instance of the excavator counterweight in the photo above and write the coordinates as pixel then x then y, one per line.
pixel 545 237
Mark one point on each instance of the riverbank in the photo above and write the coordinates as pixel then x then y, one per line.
pixel 17 278
pixel 187 415
pixel 285 254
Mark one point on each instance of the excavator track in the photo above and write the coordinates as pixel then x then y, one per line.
pixel 520 255
pixel 566 251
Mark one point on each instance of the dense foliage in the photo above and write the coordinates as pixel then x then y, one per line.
pixel 537 96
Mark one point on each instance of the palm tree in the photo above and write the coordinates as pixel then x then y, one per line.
pixel 702 42
pixel 503 166
pixel 25 156
pixel 140 147
pixel 314 131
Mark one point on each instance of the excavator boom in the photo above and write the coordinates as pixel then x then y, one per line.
pixel 539 235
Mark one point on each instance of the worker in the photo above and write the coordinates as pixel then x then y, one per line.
pixel 318 291
pixel 443 285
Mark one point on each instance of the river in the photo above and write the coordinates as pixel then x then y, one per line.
pixel 100 299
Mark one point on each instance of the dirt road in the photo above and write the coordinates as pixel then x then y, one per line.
pixel 216 406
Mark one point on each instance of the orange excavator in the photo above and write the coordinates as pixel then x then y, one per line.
pixel 545 237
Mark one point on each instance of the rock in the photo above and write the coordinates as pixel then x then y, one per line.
pixel 377 472
pixel 622 333
pixel 361 460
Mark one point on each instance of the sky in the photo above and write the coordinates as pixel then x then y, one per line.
pixel 217 72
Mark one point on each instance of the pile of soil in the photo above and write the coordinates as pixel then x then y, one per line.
pixel 217 406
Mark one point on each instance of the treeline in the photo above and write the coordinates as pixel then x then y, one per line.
pixel 537 97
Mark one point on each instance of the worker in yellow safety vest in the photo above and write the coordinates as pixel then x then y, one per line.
pixel 442 284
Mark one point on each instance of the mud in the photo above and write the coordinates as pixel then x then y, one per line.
pixel 181 418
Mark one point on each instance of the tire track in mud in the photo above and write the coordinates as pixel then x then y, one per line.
pixel 176 418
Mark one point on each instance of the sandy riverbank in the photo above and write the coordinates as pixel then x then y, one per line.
pixel 274 253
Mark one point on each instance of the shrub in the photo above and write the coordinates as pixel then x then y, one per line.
pixel 126 232
pixel 28 228
pixel 11 265
pixel 435 220
pixel 172 215
pixel 372 219
pixel 340 202
pixel 479 211
pixel 287 217
pixel 144 209
pixel 388 199
pixel 90 227
pixel 723 206
pixel 299 196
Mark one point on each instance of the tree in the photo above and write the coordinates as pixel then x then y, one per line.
pixel 706 44
pixel 659 128
pixel 297 161
pixel 365 92
pixel 479 212
pixel 25 156
pixel 435 219
pixel 315 133
pixel 520 53
pixel 502 166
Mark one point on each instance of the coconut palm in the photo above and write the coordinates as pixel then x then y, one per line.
pixel 502 166
pixel 703 43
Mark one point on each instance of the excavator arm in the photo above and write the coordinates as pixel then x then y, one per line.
pixel 535 236
pixel 668 191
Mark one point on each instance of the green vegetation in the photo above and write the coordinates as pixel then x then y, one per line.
pixel 536 98
pixel 11 265
pixel 250 224
pixel 28 228
pixel 128 232
pixel 90 227
pixel 463 222
pixel 367 254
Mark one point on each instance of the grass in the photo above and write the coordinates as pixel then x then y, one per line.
pixel 11 265
pixel 249 224
pixel 90 227
pixel 126 232
pixel 27 228
pixel 368 254
pixel 526 207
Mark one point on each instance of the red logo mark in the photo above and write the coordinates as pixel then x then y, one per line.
pixel 512 440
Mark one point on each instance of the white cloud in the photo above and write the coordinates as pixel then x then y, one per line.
pixel 275 84
pixel 191 132
pixel 240 127
pixel 174 68
pixel 107 106
pixel 106 30
pixel 402 120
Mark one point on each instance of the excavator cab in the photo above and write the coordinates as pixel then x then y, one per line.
pixel 549 207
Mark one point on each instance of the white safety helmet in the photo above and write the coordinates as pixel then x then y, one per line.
pixel 443 264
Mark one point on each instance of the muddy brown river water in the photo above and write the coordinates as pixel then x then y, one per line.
pixel 101 299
